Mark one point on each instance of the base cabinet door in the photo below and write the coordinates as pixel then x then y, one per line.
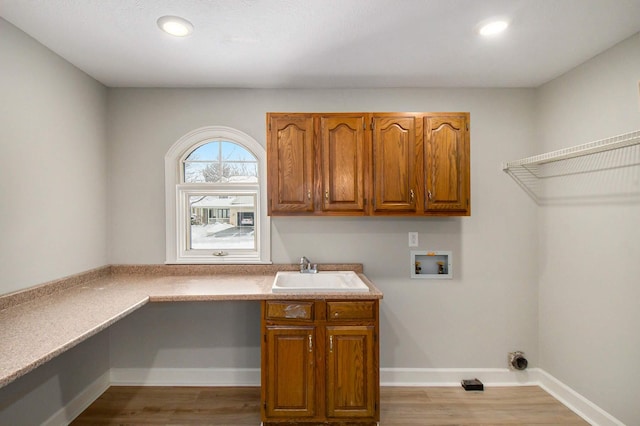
pixel 290 379
pixel 351 386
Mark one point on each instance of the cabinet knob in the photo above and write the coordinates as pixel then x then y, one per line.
pixel 308 194
pixel 326 195
pixel 411 194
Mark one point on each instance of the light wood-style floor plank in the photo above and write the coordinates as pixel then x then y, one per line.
pixel 527 405
pixel 400 406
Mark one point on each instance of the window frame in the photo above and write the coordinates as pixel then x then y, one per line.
pixel 177 194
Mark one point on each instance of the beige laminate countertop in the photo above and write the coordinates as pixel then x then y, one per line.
pixel 46 324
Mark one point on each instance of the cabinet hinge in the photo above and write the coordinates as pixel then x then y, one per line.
pixel 269 126
pixel 372 124
pixel 265 338
pixel 265 405
pixel 467 127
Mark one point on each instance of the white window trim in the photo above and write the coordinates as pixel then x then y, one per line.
pixel 176 252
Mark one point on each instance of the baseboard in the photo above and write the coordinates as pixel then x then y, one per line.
pixel 251 376
pixel 453 376
pixel 576 402
pixel 77 405
pixel 185 376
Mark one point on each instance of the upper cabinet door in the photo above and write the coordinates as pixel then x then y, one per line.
pixel 394 160
pixel 290 151
pixel 446 163
pixel 343 162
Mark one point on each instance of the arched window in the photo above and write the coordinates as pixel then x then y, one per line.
pixel 216 198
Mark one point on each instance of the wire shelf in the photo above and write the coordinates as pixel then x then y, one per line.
pixel 594 172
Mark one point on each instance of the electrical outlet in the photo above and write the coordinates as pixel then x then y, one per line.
pixel 413 239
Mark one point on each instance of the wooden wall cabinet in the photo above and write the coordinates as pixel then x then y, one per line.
pixel 317 164
pixel 399 164
pixel 320 362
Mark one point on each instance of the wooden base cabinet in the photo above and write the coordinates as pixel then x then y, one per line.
pixel 320 362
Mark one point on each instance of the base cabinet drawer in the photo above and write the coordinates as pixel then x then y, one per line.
pixel 291 310
pixel 340 311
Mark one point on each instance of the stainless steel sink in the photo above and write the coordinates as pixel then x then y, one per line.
pixel 324 281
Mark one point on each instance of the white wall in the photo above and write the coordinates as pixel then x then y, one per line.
pixel 52 165
pixel 589 317
pixel 52 205
pixel 487 310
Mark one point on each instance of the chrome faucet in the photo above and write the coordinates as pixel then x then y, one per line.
pixel 306 267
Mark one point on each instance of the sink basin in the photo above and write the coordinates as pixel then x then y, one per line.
pixel 324 281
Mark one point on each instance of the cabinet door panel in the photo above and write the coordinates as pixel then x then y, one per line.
pixel 343 162
pixel 446 163
pixel 351 377
pixel 394 141
pixel 291 163
pixel 290 379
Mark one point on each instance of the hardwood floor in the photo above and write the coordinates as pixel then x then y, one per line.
pixel 406 406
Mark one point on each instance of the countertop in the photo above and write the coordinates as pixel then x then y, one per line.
pixel 40 323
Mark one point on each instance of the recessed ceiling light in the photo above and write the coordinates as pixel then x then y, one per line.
pixel 175 26
pixel 493 28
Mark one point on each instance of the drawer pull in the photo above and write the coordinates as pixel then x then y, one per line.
pixel 310 343
pixel 330 343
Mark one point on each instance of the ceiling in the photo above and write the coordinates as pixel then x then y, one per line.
pixel 325 43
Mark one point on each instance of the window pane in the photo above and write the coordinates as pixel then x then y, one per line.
pixel 220 162
pixel 224 172
pixel 221 222
pixel 207 152
pixel 233 152
pixel 240 172
pixel 194 172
